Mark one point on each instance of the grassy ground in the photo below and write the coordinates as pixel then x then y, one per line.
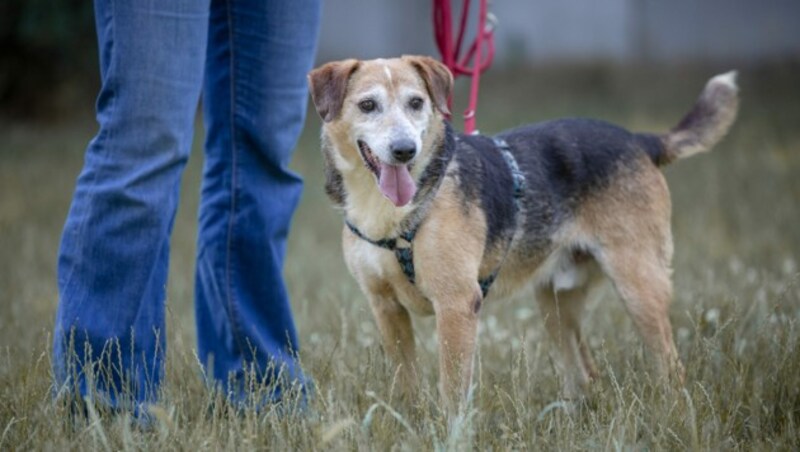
pixel 735 314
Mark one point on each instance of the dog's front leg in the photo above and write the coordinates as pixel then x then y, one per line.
pixel 457 326
pixel 448 256
pixel 397 336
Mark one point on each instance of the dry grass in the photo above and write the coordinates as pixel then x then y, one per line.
pixel 736 309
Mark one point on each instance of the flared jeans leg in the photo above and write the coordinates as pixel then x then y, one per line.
pixel 254 107
pixel 113 259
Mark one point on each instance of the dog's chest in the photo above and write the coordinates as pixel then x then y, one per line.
pixel 371 266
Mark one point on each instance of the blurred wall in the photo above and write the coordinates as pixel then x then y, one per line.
pixel 48 53
pixel 574 30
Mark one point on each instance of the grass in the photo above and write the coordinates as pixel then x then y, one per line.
pixel 735 312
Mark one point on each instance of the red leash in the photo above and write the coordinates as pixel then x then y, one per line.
pixel 481 52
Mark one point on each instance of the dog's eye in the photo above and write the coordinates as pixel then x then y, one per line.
pixel 416 103
pixel 367 105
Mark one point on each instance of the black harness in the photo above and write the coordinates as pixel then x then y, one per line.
pixel 402 245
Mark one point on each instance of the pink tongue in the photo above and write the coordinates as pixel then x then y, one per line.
pixel 396 184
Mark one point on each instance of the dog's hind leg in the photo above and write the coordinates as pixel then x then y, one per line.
pixel 563 312
pixel 643 282
pixel 628 230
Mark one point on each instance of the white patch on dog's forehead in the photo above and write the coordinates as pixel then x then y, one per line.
pixel 388 72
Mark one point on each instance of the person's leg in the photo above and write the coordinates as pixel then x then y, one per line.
pixel 112 265
pixel 254 106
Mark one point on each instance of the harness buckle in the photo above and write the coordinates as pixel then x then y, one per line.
pixel 402 243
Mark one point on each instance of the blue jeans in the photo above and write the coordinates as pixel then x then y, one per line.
pixel 249 59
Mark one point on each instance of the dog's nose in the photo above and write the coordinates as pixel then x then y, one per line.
pixel 403 150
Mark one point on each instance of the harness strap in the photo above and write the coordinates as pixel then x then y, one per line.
pixel 402 245
pixel 516 173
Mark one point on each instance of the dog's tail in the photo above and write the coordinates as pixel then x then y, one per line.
pixel 701 128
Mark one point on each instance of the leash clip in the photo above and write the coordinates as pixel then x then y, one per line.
pixel 491 22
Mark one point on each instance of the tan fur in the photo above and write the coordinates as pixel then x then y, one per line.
pixel 366 206
pixel 447 257
pixel 630 224
pixel 700 129
pixel 623 230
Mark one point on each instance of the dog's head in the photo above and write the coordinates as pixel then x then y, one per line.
pixel 381 113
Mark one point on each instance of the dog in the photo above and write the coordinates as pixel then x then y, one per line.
pixel 438 222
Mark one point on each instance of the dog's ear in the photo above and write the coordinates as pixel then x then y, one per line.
pixel 437 77
pixel 328 85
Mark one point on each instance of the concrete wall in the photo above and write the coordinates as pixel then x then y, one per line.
pixel 539 31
